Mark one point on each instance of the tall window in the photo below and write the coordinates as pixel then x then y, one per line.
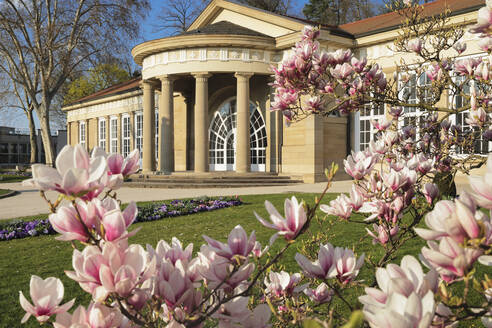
pixel 415 91
pixel 114 134
pixel 479 146
pixel 126 135
pixel 82 128
pixel 102 133
pixel 139 133
pixel 367 132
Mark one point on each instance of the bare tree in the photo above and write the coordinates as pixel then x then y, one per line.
pixel 46 40
pixel 275 6
pixel 177 15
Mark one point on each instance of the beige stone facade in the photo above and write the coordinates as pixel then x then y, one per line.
pixel 203 101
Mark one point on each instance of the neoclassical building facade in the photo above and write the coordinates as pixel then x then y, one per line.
pixel 203 101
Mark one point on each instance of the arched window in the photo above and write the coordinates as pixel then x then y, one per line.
pixel 222 138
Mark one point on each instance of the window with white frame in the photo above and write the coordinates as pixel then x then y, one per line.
pixel 82 128
pixel 366 131
pixel 113 131
pixel 125 135
pixel 414 91
pixel 139 133
pixel 480 146
pixel 102 133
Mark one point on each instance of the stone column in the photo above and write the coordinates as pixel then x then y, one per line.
pixel 108 135
pixel 166 125
pixel 242 123
pixel 69 133
pixel 201 121
pixel 148 127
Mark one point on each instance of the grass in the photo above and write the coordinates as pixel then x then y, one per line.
pixel 45 256
pixel 4 178
pixel 4 191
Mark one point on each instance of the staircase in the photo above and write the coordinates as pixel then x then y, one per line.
pixel 191 180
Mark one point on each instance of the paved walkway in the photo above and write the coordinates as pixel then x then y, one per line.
pixel 29 202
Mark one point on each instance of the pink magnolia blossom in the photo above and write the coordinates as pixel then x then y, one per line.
pixel 482 186
pixel 405 297
pixel 381 124
pixel 235 314
pixel 238 244
pixel 46 295
pixel 295 218
pixel 332 262
pixel 342 71
pixel 347 264
pixel 456 220
pixel 323 267
pixel 405 279
pixel 484 21
pixel 76 174
pixel 467 66
pixel 485 260
pixel 314 104
pixel 96 316
pixel 396 111
pixel 449 259
pixel 359 164
pixel 460 47
pixel 219 271
pixel 341 207
pixel 171 253
pixel 430 192
pixel 477 117
pixel 282 284
pixel 257 251
pixel 66 222
pixel 415 45
pixel 381 234
pixel 322 293
pixel 485 44
pixel 403 312
pixel 117 268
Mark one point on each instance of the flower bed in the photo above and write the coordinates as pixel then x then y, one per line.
pixel 151 212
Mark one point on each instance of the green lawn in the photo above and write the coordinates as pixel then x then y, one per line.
pixel 45 256
pixel 4 191
pixel 12 178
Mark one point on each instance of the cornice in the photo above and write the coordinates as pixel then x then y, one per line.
pixel 139 52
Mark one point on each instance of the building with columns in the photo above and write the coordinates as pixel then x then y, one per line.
pixel 202 103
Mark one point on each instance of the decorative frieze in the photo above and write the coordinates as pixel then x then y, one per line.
pixel 204 54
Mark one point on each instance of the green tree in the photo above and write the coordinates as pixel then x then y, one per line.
pixel 336 12
pixel 98 78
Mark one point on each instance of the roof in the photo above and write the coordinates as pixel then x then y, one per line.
pixel 224 27
pixel 116 89
pixel 393 20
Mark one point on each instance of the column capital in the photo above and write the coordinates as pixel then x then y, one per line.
pixel 147 84
pixel 167 78
pixel 201 75
pixel 244 75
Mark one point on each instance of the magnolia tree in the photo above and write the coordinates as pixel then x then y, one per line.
pixel 402 190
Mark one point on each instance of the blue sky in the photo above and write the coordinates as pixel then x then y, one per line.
pixel 148 26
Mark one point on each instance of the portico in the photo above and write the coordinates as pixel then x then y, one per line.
pixel 202 103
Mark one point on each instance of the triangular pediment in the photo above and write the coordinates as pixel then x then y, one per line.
pixel 248 17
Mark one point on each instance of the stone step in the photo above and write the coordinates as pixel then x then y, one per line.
pixel 209 180
pixel 193 185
